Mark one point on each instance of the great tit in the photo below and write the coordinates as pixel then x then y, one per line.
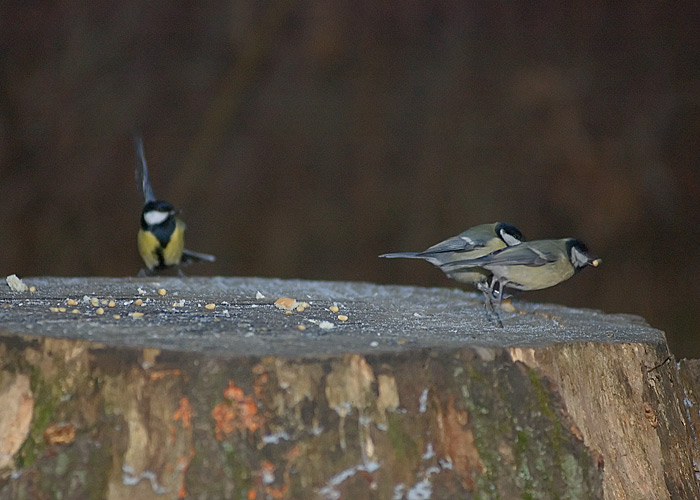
pixel 533 265
pixel 161 239
pixel 474 242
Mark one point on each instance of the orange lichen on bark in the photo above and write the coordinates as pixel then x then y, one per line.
pixel 184 413
pixel 161 374
pixel 232 392
pixel 240 412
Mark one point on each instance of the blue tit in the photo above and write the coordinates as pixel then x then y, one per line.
pixel 161 239
pixel 472 243
pixel 533 265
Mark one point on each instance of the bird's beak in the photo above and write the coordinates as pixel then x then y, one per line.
pixel 596 262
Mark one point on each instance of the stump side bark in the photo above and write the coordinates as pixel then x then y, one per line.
pixel 545 419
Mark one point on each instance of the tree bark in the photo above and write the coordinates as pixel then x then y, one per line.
pixel 561 403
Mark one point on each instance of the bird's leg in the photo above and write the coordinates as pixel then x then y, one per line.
pixel 489 292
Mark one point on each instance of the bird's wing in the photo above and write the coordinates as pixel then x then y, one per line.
pixel 520 255
pixel 142 172
pixel 454 244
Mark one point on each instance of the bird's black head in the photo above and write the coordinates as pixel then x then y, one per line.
pixel 157 213
pixel 579 256
pixel 510 234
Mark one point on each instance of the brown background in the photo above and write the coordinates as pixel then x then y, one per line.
pixel 302 139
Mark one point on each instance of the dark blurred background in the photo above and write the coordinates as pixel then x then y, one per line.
pixel 302 139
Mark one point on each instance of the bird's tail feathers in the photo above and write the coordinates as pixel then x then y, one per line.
pixel 188 257
pixel 402 255
pixel 142 180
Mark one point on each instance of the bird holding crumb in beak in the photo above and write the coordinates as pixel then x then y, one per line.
pixel 161 239
pixel 533 265
pixel 474 242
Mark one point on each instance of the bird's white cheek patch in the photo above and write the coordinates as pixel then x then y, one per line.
pixel 580 259
pixel 154 217
pixel 511 241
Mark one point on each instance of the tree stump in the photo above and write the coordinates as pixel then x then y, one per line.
pixel 203 388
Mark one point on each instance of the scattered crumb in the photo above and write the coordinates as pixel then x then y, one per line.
pixel 402 341
pixel 288 313
pixel 302 306
pixel 162 292
pixel 16 284
pixel 342 317
pixel 94 302
pixel 61 309
pixel 210 306
pixel 141 291
pixel 75 311
pixel 72 302
pixel 100 311
pixel 326 325
pixel 138 302
pixel 374 343
pixel 136 314
pixel 286 303
pixel 334 309
pixel 32 289
pixel 301 328
pixel 104 302
pixel 53 309
pixel 181 303
pixel 259 295
pixel 116 316
pixel 111 304
pixel 507 306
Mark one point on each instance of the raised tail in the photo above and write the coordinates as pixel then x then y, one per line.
pixel 402 255
pixel 142 172
pixel 188 257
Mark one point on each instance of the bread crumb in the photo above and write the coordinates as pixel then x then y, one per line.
pixel 301 328
pixel 111 303
pixel 286 303
pixel 507 306
pixel 136 314
pixel 210 306
pixel 342 317
pixel 75 311
pixel 138 302
pixel 72 302
pixel 162 292
pixel 16 284
pixel 95 301
pixel 116 316
pixel 100 311
pixel 259 295
pixel 32 289
pixel 334 309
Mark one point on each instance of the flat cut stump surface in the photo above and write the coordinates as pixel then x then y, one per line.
pixel 392 317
